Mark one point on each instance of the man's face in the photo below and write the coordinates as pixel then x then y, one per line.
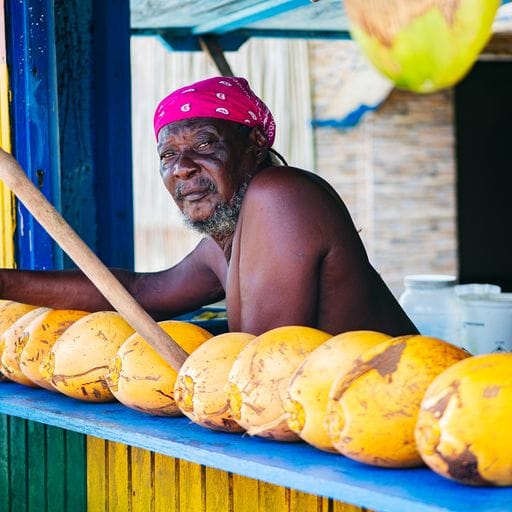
pixel 204 162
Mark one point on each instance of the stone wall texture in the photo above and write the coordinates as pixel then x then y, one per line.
pixel 395 169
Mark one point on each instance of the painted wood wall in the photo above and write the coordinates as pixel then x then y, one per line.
pixel 42 468
pixel 121 478
pixel 46 98
pixel 6 199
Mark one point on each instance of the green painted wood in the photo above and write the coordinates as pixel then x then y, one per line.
pixel 56 459
pixel 36 466
pixel 42 468
pixel 17 464
pixel 76 472
pixel 4 464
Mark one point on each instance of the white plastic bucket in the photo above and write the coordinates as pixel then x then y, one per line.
pixel 476 289
pixel 486 322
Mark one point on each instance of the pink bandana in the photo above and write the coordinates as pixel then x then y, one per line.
pixel 228 98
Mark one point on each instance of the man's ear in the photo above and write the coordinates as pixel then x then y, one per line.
pixel 258 138
pixel 258 144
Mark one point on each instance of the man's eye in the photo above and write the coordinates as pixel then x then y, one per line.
pixel 167 154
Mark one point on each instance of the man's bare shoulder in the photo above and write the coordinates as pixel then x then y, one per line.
pixel 284 175
pixel 299 191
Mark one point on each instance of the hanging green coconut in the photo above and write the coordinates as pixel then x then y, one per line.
pixel 422 45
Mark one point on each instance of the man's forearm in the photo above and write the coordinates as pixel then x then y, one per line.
pixel 66 289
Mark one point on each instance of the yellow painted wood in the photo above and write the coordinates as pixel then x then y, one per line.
pixel 166 483
pixel 7 213
pixel 97 498
pixel 273 498
pixel 142 478
pixel 192 494
pixel 303 502
pixel 119 482
pixel 245 494
pixel 121 478
pixel 218 487
pixel 345 507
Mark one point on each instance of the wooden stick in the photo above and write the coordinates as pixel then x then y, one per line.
pixel 51 220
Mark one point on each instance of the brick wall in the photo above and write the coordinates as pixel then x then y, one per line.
pixel 395 169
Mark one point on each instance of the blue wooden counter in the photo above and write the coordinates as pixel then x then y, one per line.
pixel 297 466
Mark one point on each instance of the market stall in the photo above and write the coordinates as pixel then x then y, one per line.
pixel 57 453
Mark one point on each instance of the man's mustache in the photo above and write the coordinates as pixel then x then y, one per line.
pixel 200 183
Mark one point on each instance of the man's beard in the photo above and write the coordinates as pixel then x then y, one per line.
pixel 222 222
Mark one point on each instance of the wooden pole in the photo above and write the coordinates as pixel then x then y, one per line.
pixel 51 220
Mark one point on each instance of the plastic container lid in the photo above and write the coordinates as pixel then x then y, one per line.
pixel 430 281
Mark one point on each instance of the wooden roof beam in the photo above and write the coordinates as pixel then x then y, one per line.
pixel 211 46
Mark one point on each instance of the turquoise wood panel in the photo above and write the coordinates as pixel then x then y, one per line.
pixel 293 465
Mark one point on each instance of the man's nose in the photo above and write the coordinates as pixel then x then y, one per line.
pixel 185 166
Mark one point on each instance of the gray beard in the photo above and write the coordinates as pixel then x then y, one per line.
pixel 222 222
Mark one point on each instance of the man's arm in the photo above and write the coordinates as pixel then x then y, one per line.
pixel 184 287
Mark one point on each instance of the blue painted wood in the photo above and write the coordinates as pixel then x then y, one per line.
pixel 248 15
pixel 112 131
pixel 178 41
pixel 31 59
pixel 73 41
pixel 294 465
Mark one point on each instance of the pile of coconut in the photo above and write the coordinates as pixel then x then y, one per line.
pixel 392 402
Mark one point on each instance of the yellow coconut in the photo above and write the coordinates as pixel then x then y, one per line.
pixel 13 341
pixel 142 380
pixel 463 428
pixel 79 360
pixel 306 399
pixel 200 389
pixel 38 339
pixel 422 45
pixel 10 311
pixel 372 409
pixel 260 376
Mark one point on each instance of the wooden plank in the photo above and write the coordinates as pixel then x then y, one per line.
pixel 272 497
pixel 218 490
pixel 36 466
pixel 112 131
pixel 337 506
pixel 7 214
pixel 4 463
pixel 294 465
pixel 166 486
pixel 119 482
pixel 33 82
pixel 211 46
pixel 76 499
pixel 245 16
pixel 97 484
pixel 142 480
pixel 73 22
pixel 191 487
pixel 245 493
pixel 304 502
pixel 18 464
pixel 56 463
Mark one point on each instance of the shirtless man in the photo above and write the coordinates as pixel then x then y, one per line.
pixel 280 245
